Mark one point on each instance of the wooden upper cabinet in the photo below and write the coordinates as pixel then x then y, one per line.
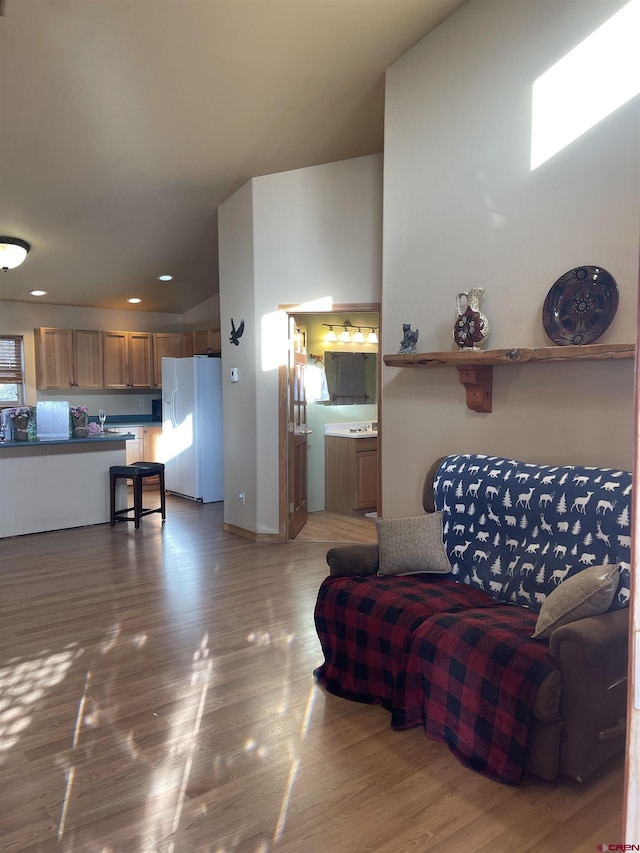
pixel 87 358
pixel 202 342
pixel 68 358
pixel 166 345
pixel 207 341
pixel 188 345
pixel 90 359
pixel 128 359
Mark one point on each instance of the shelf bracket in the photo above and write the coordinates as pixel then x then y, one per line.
pixel 478 380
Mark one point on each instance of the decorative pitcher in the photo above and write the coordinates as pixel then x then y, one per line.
pixel 471 329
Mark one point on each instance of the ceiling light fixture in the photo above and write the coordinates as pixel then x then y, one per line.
pixel 134 300
pixel 13 251
pixel 165 278
pixel 37 293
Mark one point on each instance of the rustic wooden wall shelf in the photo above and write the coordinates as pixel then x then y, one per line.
pixel 475 368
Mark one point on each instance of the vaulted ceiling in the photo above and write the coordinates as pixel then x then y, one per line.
pixel 125 123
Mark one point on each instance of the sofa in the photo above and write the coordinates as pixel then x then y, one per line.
pixel 497 620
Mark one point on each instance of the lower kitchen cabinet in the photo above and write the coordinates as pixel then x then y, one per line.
pixel 144 447
pixel 351 474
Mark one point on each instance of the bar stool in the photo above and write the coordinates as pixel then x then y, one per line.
pixel 137 472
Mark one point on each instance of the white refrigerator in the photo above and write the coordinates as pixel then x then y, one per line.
pixel 191 446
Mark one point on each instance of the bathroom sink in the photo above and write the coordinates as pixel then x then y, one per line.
pixel 352 430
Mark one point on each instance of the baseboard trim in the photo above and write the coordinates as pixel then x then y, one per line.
pixel 251 535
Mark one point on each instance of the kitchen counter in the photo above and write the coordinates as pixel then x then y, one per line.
pixel 121 421
pixel 55 485
pixel 92 439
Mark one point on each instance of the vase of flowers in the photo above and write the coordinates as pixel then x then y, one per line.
pixel 79 418
pixel 20 423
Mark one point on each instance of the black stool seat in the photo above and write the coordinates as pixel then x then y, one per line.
pixel 136 471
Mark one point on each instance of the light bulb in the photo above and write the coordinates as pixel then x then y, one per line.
pixel 358 338
pixel 331 335
pixel 345 337
pixel 372 337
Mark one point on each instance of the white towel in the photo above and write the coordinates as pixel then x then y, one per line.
pixel 315 382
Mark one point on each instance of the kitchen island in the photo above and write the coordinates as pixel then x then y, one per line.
pixel 54 485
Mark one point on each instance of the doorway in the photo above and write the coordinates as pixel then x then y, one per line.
pixel 302 458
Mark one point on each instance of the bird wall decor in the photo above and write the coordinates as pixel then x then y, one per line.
pixel 236 334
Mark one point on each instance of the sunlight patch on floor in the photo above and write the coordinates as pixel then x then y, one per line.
pixel 22 684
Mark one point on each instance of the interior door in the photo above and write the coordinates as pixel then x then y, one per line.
pixel 298 430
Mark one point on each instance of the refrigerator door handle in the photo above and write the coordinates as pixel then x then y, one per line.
pixel 174 395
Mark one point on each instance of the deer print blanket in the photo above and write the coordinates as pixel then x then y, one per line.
pixel 517 530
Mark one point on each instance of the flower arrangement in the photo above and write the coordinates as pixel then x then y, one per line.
pixel 79 411
pixel 22 422
pixel 20 412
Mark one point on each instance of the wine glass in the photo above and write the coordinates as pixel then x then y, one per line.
pixel 102 416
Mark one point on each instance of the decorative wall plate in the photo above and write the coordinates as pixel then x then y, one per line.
pixel 580 306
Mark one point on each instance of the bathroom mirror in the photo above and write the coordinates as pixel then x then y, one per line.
pixel 351 378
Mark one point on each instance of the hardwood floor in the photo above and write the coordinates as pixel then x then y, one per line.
pixel 156 694
pixel 332 527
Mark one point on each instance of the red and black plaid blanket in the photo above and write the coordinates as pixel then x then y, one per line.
pixel 438 654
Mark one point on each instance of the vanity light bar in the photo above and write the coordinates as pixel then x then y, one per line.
pixel 345 334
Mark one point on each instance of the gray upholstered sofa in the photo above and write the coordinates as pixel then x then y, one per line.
pixel 454 651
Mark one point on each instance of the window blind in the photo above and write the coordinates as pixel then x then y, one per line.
pixel 11 359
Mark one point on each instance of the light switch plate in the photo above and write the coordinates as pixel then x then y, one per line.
pixel 234 374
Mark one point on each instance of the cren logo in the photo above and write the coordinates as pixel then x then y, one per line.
pixel 621 847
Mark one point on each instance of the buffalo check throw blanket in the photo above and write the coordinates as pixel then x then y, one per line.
pixel 438 654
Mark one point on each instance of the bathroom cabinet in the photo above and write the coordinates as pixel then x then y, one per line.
pixel 351 474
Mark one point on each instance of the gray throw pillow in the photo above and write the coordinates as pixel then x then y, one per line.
pixel 411 545
pixel 587 593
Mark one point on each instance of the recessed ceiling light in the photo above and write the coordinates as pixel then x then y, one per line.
pixel 134 300
pixel 165 278
pixel 37 293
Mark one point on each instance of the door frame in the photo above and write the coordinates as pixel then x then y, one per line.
pixel 631 811
pixel 283 407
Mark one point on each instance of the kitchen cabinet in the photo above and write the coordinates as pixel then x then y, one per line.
pixel 351 474
pixel 134 446
pixel 207 342
pixel 68 358
pixel 128 361
pixel 150 443
pixel 165 345
pixel 202 342
pixel 144 447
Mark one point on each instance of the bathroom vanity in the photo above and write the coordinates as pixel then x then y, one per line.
pixel 351 468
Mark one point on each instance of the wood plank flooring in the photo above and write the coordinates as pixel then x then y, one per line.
pixel 332 527
pixel 156 694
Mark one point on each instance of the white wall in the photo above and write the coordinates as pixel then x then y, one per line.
pixel 463 209
pixel 316 235
pixel 235 234
pixel 206 315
